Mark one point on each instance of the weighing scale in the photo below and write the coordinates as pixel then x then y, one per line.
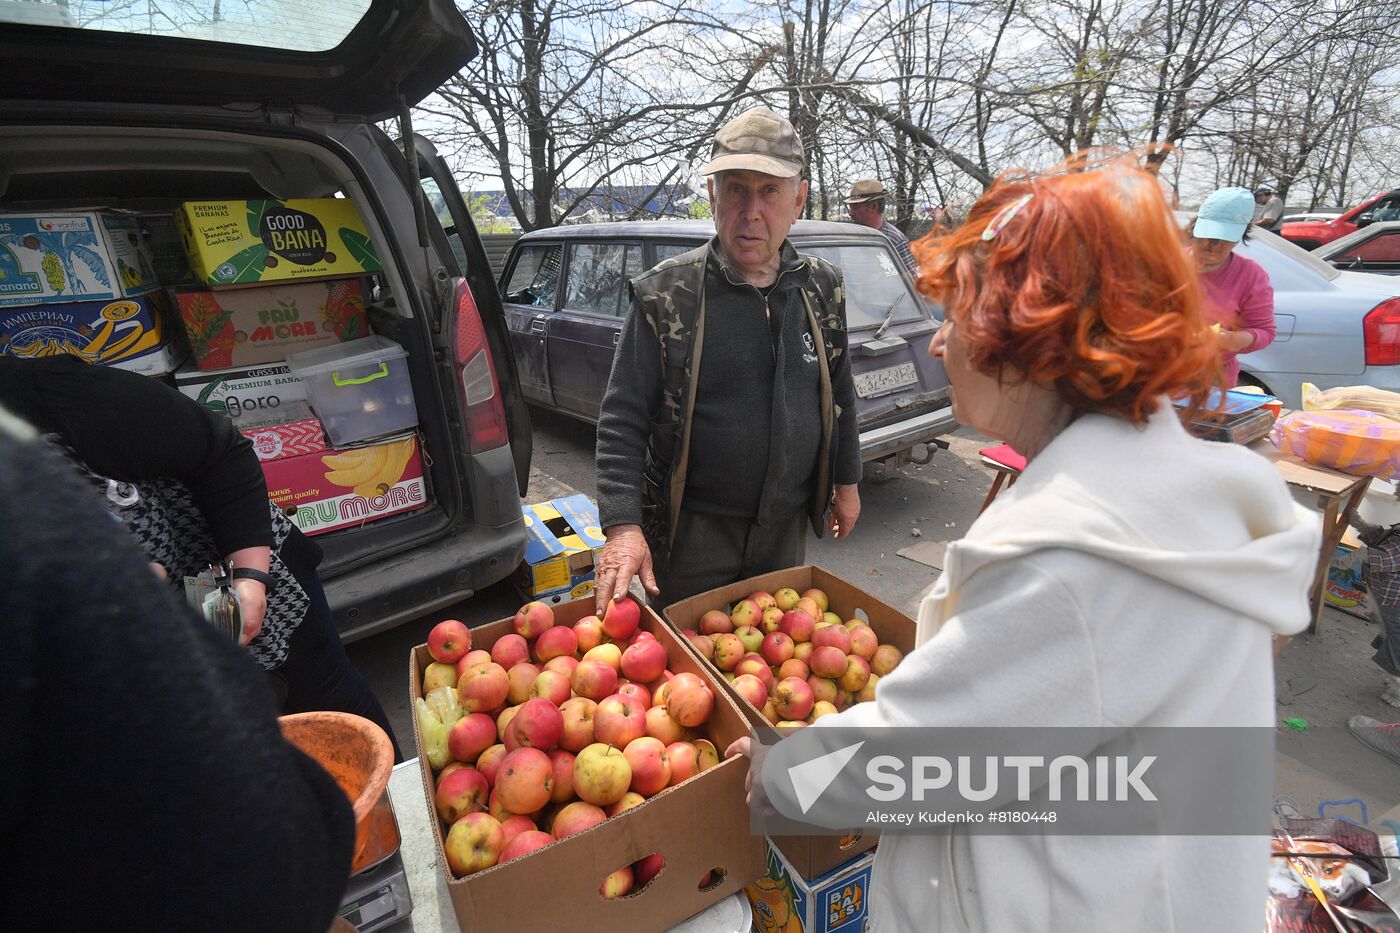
pixel 377 895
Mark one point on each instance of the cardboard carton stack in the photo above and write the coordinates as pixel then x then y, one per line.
pixel 267 279
pixel 83 283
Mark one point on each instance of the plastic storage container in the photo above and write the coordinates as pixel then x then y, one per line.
pixel 359 389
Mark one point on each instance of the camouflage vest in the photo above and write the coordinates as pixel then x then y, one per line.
pixel 671 299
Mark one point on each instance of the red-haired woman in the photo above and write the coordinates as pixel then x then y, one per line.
pixel 1133 575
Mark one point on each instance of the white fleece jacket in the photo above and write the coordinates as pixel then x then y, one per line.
pixel 1129 577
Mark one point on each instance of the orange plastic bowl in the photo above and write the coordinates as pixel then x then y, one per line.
pixel 353 751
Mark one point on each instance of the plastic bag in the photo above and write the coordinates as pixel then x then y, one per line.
pixel 1351 398
pixel 1358 442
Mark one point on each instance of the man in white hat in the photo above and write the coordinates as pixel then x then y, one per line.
pixel 867 206
pixel 729 421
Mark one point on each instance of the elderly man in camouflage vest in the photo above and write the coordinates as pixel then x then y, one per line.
pixel 729 419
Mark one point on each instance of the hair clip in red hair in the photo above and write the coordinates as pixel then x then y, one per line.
pixel 1003 217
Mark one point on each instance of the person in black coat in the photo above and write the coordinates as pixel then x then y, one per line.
pixel 144 782
pixel 189 488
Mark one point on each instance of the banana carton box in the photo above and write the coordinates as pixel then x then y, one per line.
pixel 233 243
pixel 329 490
pixel 128 333
pixel 72 256
pixel 286 431
pixel 562 542
pixel 837 902
pixel 243 390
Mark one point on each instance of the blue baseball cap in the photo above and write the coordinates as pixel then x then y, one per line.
pixel 1225 215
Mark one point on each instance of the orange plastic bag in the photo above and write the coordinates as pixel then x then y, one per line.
pixel 1358 442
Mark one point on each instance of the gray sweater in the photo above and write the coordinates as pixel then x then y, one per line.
pixel 756 424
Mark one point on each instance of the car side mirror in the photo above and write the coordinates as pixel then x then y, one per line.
pixel 1363 219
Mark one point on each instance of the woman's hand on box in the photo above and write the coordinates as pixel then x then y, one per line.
pixel 740 747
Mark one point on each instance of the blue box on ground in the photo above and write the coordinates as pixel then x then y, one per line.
pixel 562 540
pixel 837 902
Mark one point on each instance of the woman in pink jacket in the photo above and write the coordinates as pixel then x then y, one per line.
pixel 1239 297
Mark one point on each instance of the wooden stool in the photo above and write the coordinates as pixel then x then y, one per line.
pixel 1007 464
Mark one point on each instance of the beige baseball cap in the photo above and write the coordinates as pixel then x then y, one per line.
pixel 758 140
pixel 867 189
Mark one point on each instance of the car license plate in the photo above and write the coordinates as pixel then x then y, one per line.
pixel 884 381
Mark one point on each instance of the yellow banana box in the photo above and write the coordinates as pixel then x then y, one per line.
pixel 785 902
pixel 128 333
pixel 330 490
pixel 234 243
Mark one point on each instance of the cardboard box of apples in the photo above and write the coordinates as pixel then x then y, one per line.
pixel 793 646
pixel 574 766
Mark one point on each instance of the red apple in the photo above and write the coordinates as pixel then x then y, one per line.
pixel 611 655
pixel 510 650
pixel 661 726
pixel 524 844
pixel 522 677
pixel 594 680
pixel 689 700
pixel 824 688
pixel 489 762
pixel 793 668
pixel 755 665
pixel 644 661
pixel 715 622
pixel 578 723
pixel 471 735
pixel 817 596
pixel 473 843
pixel 515 824
pixel 863 641
pixel 704 645
pixel 828 662
pixel 797 625
pixel 617 884
pixel 833 635
pixel 845 699
pixel 483 687
pixel 645 869
pixel 810 606
pixel 564 664
pixel 651 772
pixel 793 698
pixel 619 720
pixel 763 600
pixel 867 693
pixel 576 817
pixel 461 792
pixel 525 780
pixel 803 651
pixel 589 632
pixel 539 724
pixel 437 675
pixel 552 686
pixel 635 692
pixel 449 768
pixel 601 774
pixel 752 689
pixel 684 759
pixel 448 641
pixel 563 762
pixel 777 648
pixel 885 659
pixel 532 619
pixel 557 641
pixel 622 617
pixel 770 711
pixel 729 650
pixel 745 612
pixel 626 802
pixel 856 674
pixel 472 659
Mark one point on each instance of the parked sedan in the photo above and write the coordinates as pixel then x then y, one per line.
pixel 1335 327
pixel 565 296
pixel 1374 248
pixel 1312 234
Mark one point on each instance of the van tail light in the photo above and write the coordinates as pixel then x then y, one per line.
pixel 477 388
pixel 1381 327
